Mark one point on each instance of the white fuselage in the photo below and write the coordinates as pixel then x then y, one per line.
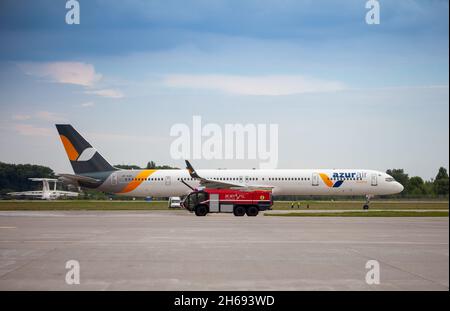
pixel 326 182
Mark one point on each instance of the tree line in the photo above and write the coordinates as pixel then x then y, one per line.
pixel 14 177
pixel 150 165
pixel 416 187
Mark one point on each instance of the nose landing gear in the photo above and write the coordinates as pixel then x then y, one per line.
pixel 366 205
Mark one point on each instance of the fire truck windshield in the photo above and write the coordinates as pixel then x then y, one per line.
pixel 191 201
pixel 194 199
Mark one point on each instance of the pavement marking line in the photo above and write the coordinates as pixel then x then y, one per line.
pixel 8 227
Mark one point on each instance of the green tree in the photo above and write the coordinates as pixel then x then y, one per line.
pixel 16 176
pixel 152 165
pixel 416 186
pixel 442 173
pixel 429 188
pixel 399 175
pixel 441 182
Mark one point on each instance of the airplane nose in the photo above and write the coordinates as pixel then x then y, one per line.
pixel 400 187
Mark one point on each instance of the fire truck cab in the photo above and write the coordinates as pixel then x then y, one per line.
pixel 238 202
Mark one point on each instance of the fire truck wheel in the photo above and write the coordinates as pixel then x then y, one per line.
pixel 201 210
pixel 239 211
pixel 252 211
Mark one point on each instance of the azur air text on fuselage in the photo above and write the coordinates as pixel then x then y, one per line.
pixel 341 175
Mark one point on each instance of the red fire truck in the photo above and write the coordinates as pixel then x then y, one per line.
pixel 238 202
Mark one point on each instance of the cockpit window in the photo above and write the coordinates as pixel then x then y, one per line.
pixel 390 179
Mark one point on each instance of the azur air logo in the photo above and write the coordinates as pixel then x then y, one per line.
pixel 338 178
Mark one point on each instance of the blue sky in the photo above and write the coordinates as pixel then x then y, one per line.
pixel 344 93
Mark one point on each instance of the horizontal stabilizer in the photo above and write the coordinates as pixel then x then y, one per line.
pixel 76 179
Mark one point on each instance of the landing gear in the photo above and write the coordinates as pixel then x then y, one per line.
pixel 366 206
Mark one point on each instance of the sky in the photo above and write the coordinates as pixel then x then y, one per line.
pixel 345 94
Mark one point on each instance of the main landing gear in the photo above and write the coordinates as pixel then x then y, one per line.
pixel 366 205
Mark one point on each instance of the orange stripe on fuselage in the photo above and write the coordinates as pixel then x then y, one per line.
pixel 72 153
pixel 326 179
pixel 139 179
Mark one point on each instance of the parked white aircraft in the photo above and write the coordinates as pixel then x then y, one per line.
pixel 93 171
pixel 46 193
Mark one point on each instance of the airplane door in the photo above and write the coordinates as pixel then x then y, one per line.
pixel 373 180
pixel 315 179
pixel 241 179
pixel 247 179
pixel 114 179
pixel 168 180
pixel 122 179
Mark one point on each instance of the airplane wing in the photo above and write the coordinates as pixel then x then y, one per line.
pixel 43 179
pixel 65 193
pixel 26 193
pixel 216 184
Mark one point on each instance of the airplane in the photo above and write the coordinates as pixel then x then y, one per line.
pixel 93 171
pixel 45 193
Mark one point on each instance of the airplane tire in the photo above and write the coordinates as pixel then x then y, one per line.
pixel 239 211
pixel 366 207
pixel 201 210
pixel 252 211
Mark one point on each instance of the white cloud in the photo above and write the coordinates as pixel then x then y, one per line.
pixel 64 72
pixel 41 115
pixel 108 137
pixel 253 85
pixel 77 73
pixel 87 104
pixel 21 117
pixel 50 116
pixel 31 130
pixel 110 93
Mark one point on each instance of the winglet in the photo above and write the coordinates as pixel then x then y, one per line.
pixel 191 170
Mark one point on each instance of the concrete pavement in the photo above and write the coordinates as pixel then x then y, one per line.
pixel 175 250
